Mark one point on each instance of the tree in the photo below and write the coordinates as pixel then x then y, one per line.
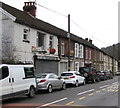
pixel 8 50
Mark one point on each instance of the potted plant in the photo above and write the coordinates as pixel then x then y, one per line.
pixel 52 50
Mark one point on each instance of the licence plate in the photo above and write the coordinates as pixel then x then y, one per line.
pixel 66 78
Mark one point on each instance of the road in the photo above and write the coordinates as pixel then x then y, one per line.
pixel 100 94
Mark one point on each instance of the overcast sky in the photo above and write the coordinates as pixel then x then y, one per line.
pixel 94 19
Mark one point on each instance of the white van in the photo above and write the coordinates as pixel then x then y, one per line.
pixel 16 80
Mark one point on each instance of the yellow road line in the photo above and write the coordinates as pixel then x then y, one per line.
pixel 103 89
pixel 98 91
pixel 91 94
pixel 70 103
pixel 82 98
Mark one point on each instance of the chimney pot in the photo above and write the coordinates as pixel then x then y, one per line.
pixel 30 8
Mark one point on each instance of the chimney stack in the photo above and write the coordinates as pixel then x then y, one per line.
pixel 30 8
pixel 90 41
pixel 86 39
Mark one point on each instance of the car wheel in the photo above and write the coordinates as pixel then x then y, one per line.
pixel 98 79
pixel 63 86
pixel 94 81
pixel 84 82
pixel 31 92
pixel 76 84
pixel 49 88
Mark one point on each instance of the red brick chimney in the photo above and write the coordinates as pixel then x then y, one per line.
pixel 30 8
pixel 90 41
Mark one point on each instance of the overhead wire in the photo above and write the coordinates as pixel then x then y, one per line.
pixel 88 33
pixel 61 14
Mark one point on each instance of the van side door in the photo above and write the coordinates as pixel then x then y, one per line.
pixel 18 84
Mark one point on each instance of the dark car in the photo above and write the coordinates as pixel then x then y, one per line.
pixel 102 75
pixel 108 73
pixel 90 74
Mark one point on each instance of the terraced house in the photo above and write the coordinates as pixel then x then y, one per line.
pixel 26 39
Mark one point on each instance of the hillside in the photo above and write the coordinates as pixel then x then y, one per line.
pixel 113 50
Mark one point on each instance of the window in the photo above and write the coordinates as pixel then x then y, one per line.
pixel 4 72
pixel 51 76
pixel 51 42
pixel 62 48
pixel 66 74
pixel 81 48
pixel 86 53
pixel 89 54
pixel 29 72
pixel 76 49
pixel 40 40
pixel 41 76
pixel 25 35
pixel 76 66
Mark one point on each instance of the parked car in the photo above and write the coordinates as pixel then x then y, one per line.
pixel 90 74
pixel 118 72
pixel 108 74
pixel 102 75
pixel 49 81
pixel 16 80
pixel 73 77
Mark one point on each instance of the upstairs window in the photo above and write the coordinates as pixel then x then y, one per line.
pixel 26 36
pixel 62 48
pixel 81 51
pixel 51 42
pixel 86 53
pixel 40 40
pixel 90 54
pixel 76 49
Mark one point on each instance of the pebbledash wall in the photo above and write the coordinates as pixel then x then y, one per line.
pixel 45 62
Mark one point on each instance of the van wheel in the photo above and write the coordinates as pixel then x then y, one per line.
pixel 31 92
pixel 49 88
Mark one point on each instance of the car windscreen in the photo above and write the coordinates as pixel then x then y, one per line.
pixel 41 76
pixel 84 70
pixel 66 74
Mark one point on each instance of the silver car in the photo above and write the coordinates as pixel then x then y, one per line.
pixel 49 81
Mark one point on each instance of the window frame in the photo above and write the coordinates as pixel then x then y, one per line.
pixel 51 42
pixel 62 48
pixel 26 37
pixel 40 39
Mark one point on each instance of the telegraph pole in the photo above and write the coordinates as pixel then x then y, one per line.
pixel 113 59
pixel 68 35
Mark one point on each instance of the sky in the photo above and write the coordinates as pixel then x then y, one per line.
pixel 93 19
